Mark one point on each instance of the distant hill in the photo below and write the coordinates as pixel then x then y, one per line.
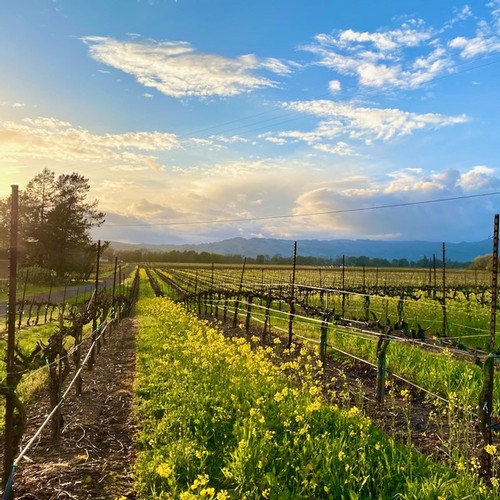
pixel 411 250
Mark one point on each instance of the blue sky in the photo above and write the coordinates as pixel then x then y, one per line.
pixel 190 111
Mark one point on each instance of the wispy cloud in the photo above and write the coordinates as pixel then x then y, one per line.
pixel 378 59
pixel 12 104
pixel 487 38
pixel 49 138
pixel 176 69
pixel 384 59
pixel 357 123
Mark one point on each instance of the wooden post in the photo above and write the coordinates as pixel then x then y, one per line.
pixel 292 296
pixel 443 304
pixel 196 298
pixel 324 338
pixel 10 434
pixel 113 292
pixel 77 355
pixel 212 291
pixel 240 289
pixel 94 299
pixel 434 273
pixel 267 320
pixel 48 302
pixel 21 309
pixel 249 314
pixel 96 289
pixel 343 286
pixel 486 395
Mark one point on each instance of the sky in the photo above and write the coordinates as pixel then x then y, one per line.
pixel 199 120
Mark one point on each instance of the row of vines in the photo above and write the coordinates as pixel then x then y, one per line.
pixel 234 417
pixel 45 356
pixel 397 338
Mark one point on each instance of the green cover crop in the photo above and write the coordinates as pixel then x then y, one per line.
pixel 217 419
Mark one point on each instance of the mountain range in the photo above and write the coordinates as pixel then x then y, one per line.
pixel 251 247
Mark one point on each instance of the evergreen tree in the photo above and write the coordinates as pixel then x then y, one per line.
pixel 55 223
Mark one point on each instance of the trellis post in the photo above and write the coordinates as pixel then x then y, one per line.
pixel 94 319
pixel 249 314
pixel 292 296
pixel 21 308
pixel 324 337
pixel 48 304
pixel 343 286
pixel 486 395
pixel 10 444
pixel 443 304
pixel 212 291
pixel 240 289
pixel 267 319
pixel 113 292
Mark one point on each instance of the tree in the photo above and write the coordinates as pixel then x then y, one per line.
pixel 4 227
pixel 36 202
pixel 482 262
pixel 55 223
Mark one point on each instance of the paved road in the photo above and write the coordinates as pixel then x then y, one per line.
pixel 59 296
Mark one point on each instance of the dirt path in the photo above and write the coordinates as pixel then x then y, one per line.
pixel 95 455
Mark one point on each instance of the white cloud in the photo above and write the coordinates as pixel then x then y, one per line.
pixel 12 104
pixel 487 38
pixel 479 177
pixel 334 86
pixel 378 59
pixel 407 57
pixel 494 5
pixel 428 221
pixel 359 123
pixel 49 138
pixel 229 139
pixel 275 140
pixel 340 149
pixel 176 69
pixel 472 47
pixel 384 42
